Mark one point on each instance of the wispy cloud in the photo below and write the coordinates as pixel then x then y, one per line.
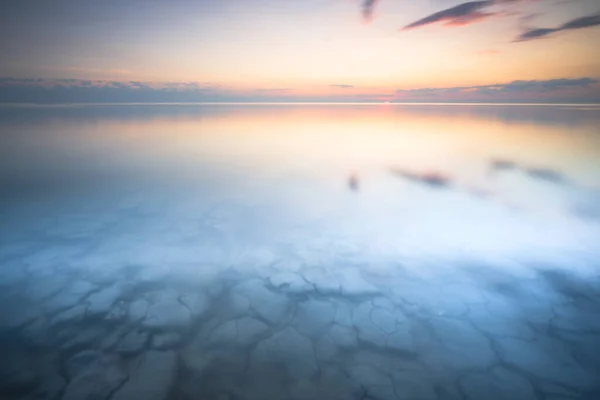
pixel 511 87
pixel 367 9
pixel 534 34
pixel 82 90
pixel 103 84
pixel 461 14
pixel 342 86
pixel 582 22
pixel 577 23
pixel 474 11
pixel 36 90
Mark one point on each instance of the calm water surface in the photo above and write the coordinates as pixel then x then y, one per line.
pixel 300 251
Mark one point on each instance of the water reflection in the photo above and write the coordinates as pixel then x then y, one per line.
pixel 293 159
pixel 300 251
pixel 433 179
pixel 353 182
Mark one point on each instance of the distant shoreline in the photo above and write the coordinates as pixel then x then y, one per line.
pixel 249 103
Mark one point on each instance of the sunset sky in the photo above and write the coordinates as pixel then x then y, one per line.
pixel 299 50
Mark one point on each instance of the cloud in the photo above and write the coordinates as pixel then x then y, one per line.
pixel 461 14
pixel 582 22
pixel 81 90
pixel 535 33
pixel 367 9
pixel 33 83
pixel 577 23
pixel 544 85
pixel 17 90
pixel 514 87
pixel 34 90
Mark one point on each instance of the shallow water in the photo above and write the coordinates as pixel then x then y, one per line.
pixel 300 252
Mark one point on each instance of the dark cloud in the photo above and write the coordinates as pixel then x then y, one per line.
pixel 582 22
pixel 35 90
pixel 535 33
pixel 473 11
pixel 545 85
pixel 367 9
pixel 91 91
pixel 14 90
pixel 461 14
pixel 88 91
pixel 6 83
pixel 519 86
pixel 577 23
pixel 431 179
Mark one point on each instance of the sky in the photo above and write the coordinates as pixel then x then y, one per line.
pixel 299 50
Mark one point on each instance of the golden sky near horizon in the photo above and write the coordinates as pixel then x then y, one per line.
pixel 308 47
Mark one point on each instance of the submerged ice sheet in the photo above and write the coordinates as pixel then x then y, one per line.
pixel 219 252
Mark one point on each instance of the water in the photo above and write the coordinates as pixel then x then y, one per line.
pixel 271 251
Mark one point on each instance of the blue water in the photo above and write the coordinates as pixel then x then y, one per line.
pixel 265 251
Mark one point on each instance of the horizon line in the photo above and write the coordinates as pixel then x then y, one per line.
pixel 151 103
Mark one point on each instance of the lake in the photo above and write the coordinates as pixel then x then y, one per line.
pixel 300 251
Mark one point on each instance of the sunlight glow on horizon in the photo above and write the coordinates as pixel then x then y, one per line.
pixel 311 48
